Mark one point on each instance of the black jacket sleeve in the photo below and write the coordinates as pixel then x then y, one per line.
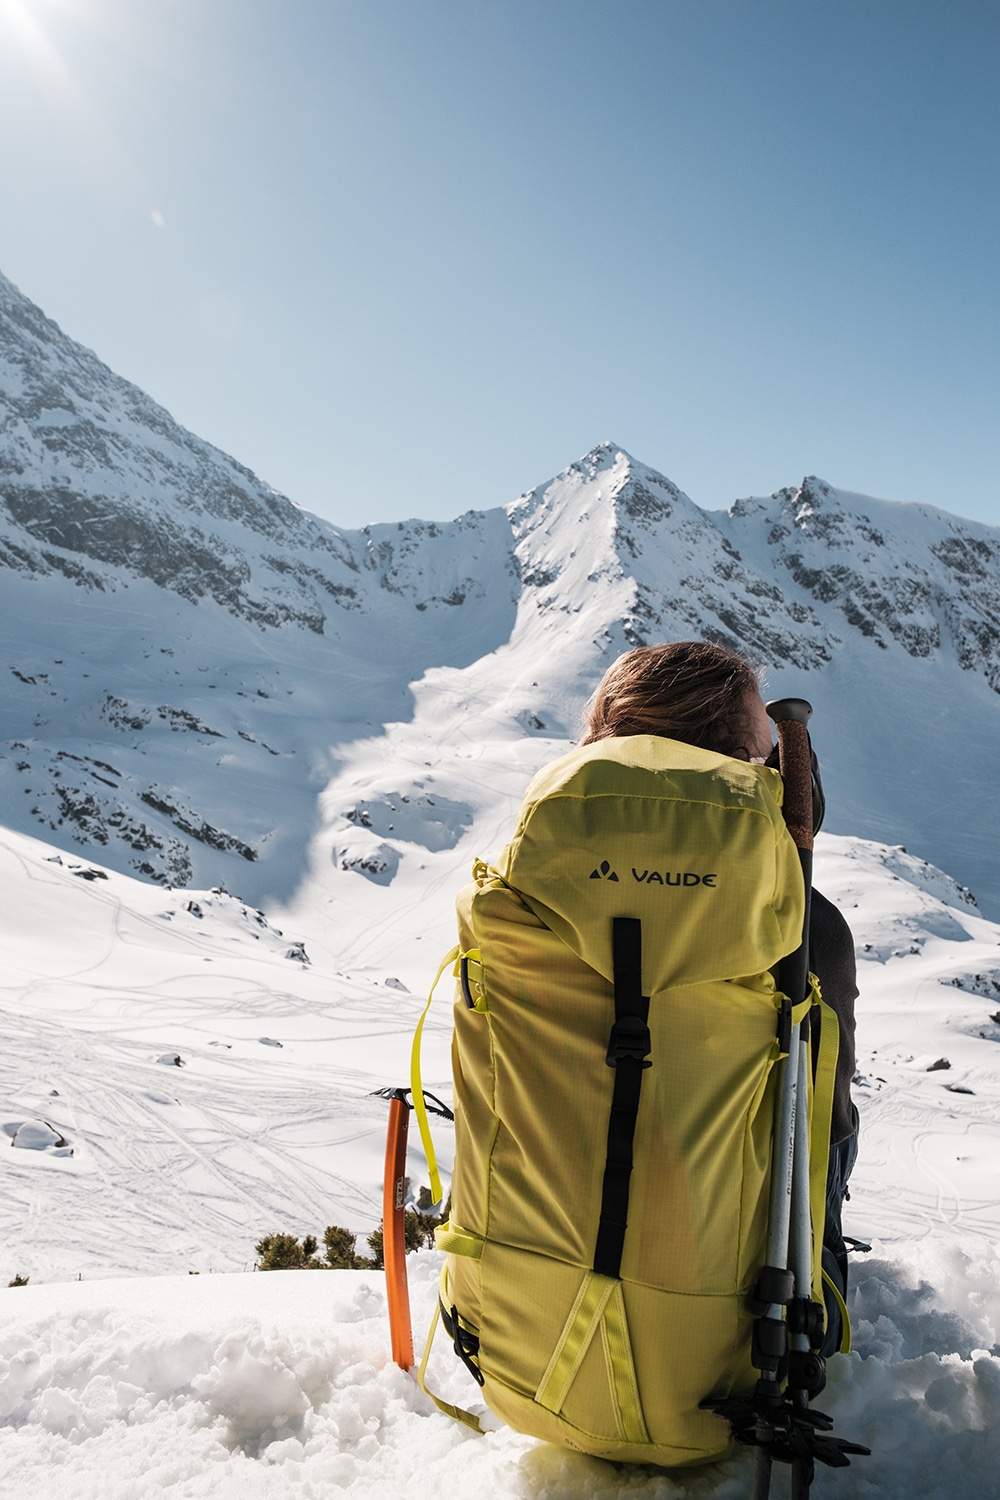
pixel 831 959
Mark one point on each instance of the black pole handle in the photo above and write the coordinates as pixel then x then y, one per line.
pixel 791 716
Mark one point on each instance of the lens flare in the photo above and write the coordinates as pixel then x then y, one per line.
pixel 21 18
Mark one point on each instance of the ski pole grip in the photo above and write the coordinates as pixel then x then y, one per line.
pixel 791 716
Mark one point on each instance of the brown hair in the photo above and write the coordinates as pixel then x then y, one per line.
pixel 685 690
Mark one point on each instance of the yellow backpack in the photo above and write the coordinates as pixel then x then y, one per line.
pixel 608 1223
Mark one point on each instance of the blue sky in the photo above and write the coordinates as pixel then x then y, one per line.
pixel 408 257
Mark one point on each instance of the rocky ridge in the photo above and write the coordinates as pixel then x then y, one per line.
pixel 189 657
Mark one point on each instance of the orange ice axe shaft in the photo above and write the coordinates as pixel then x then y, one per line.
pixel 394 1230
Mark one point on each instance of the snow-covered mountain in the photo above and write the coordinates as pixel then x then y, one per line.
pixel 206 690
pixel 190 658
pixel 199 680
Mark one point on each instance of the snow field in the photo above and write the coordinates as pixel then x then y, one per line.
pixel 280 1384
pixel 340 723
pixel 267 1123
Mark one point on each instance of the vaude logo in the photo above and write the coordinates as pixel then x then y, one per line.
pixel 656 877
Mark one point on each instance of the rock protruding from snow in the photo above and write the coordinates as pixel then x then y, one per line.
pixel 36 1135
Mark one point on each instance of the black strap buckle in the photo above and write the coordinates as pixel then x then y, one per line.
pixel 464 1342
pixel 629 1039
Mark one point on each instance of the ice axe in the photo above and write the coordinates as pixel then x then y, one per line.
pixel 394 1227
pixel 394 1218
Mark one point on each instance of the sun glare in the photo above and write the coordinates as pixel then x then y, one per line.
pixel 24 19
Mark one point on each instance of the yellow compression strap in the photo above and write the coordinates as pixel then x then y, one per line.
pixel 819 1135
pixel 467 1418
pixel 599 1304
pixel 621 1370
pixel 455 1241
pixel 574 1341
pixel 417 1088
pixel 799 1012
pixel 845 1319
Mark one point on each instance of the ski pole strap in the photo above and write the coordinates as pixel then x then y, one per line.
pixel 417 1088
pixel 628 1050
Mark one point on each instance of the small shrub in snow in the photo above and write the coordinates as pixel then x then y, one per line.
pixel 418 1232
pixel 283 1252
pixel 341 1252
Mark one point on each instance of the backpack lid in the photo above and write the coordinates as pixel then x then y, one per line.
pixel 691 842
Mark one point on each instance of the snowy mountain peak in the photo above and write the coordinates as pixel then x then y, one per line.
pixel 190 661
pixel 812 492
pixel 606 488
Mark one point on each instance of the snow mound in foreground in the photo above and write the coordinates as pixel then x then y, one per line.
pixel 281 1384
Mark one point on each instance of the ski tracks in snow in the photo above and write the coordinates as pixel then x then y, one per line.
pixel 265 1123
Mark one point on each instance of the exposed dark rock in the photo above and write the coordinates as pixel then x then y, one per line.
pixel 189 823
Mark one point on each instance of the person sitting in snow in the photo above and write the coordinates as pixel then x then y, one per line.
pixel 705 695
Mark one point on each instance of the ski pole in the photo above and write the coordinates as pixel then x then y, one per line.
pixel 805 1368
pixel 790 716
pixel 788 1322
pixel 776 1285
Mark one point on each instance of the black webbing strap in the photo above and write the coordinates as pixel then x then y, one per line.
pixel 628 1049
